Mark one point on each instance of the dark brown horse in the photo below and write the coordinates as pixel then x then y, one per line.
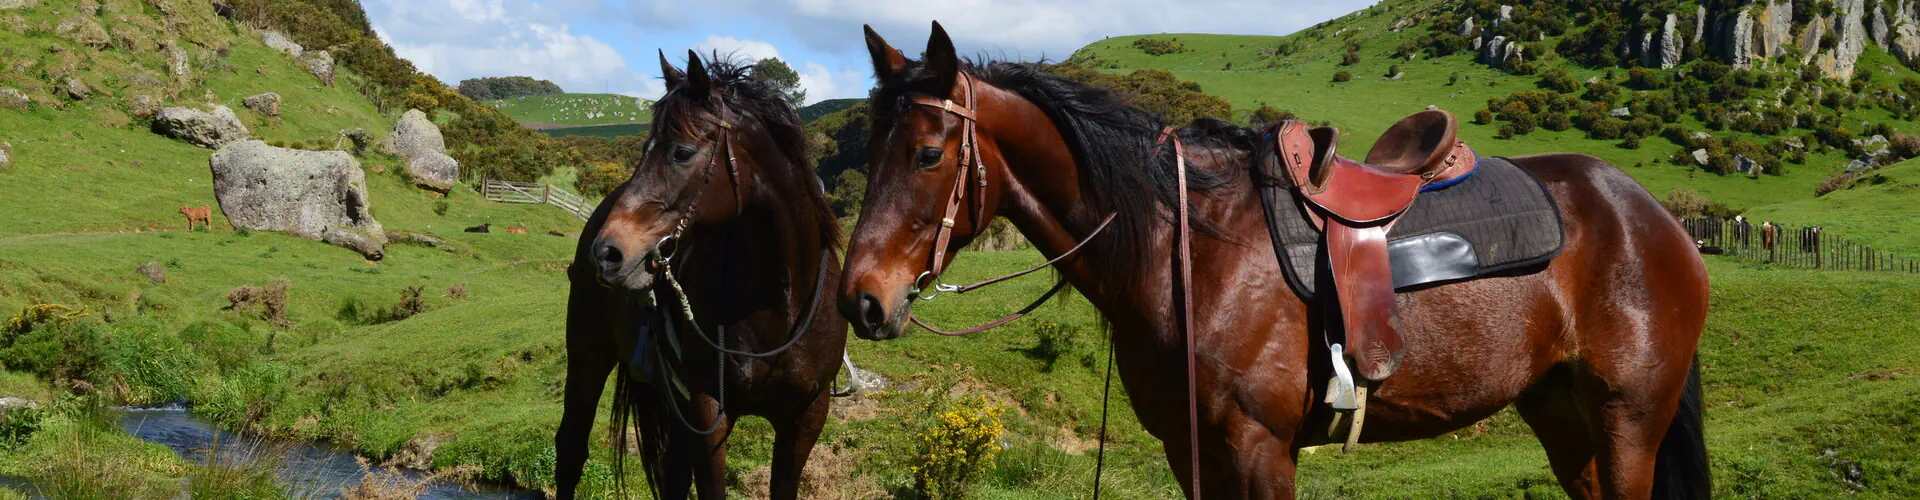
pixel 1594 348
pixel 725 207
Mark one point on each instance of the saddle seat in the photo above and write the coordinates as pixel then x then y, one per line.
pixel 1355 204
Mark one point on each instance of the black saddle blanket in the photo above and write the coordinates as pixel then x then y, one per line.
pixel 1496 219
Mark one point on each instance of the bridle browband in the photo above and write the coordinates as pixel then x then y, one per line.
pixel 971 161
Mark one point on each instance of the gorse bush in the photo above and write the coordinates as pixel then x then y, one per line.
pixel 270 299
pixel 1053 340
pixel 960 444
pixel 1156 47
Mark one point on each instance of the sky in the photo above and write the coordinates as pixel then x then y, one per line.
pixel 609 46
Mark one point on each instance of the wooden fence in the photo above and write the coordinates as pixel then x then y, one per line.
pixel 533 192
pixel 1801 247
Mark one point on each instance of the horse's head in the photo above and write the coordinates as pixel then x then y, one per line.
pixel 693 172
pixel 928 192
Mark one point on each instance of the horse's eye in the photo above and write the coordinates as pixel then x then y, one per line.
pixel 930 157
pixel 683 154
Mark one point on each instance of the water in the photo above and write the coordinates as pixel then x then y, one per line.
pixel 308 468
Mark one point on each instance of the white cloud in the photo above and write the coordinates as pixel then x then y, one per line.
pixel 459 39
pixel 729 46
pixel 822 83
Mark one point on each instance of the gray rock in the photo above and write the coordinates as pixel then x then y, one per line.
pixel 1879 29
pixel 1700 23
pixel 143 106
pixel 11 403
pixel 1671 46
pixel 1853 38
pixel 1736 41
pixel 1810 38
pixel 1700 157
pixel 1495 50
pixel 278 41
pixel 84 30
pixel 211 129
pixel 1466 27
pixel 75 89
pixel 413 135
pixel 1476 43
pixel 153 271
pixel 319 195
pixel 14 99
pixel 178 64
pixel 6 156
pixel 267 104
pixel 1700 135
pixel 1620 112
pixel 1906 44
pixel 434 171
pixel 320 64
pixel 1859 166
pixel 1506 13
pixel 1743 164
pixel 18 4
pixel 1776 28
pixel 1648 55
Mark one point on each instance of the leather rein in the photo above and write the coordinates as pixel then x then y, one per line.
pixel 971 163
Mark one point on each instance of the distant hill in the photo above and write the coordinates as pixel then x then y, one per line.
pixel 507 87
pixel 814 111
pixel 573 110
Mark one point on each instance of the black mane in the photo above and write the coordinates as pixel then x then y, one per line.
pixel 1114 144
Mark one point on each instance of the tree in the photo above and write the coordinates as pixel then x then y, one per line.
pixel 777 73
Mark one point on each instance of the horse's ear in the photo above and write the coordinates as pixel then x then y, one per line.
pixel 888 64
pixel 698 81
pixel 673 75
pixel 941 60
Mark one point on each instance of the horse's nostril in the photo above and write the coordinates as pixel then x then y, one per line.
pixel 871 312
pixel 610 256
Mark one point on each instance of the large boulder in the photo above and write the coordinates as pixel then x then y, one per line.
pixel 414 134
pixel 434 171
pixel 319 195
pixel 320 64
pixel 14 99
pixel 1852 31
pixel 75 89
pixel 278 41
pixel 1905 44
pixel 1811 36
pixel 267 104
pixel 1776 28
pixel 1736 41
pixel 1671 46
pixel 211 129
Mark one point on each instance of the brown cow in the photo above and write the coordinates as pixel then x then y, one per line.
pixel 203 214
pixel 516 230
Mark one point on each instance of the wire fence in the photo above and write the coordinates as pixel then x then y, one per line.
pixel 1802 247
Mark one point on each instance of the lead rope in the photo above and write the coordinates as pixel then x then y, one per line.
pixel 1186 307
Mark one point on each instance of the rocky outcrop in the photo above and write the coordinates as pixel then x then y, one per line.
pixel 1879 29
pixel 1852 32
pixel 1466 27
pixel 1810 38
pixel 1905 44
pixel 1671 46
pixel 1735 44
pixel 413 134
pixel 278 41
pixel 1620 112
pixel 75 89
pixel 143 106
pixel 212 129
pixel 178 64
pixel 1500 53
pixel 434 171
pixel 319 195
pixel 14 99
pixel 1776 28
pixel 84 30
pixel 416 138
pixel 267 104
pixel 1700 21
pixel 320 64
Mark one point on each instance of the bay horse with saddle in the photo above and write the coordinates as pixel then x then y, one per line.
pixel 1281 296
pixel 702 284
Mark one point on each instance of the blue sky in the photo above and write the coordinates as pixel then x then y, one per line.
pixel 608 45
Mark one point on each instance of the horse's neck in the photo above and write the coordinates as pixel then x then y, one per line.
pixel 761 258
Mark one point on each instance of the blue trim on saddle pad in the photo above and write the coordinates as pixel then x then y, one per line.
pixel 1450 182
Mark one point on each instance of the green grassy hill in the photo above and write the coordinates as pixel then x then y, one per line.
pixel 576 109
pixel 1294 72
pixel 1878 208
pixel 814 111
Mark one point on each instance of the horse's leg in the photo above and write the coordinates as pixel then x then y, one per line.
pixel 589 359
pixel 792 443
pixel 1266 463
pixel 1551 408
pixel 1632 423
pixel 710 464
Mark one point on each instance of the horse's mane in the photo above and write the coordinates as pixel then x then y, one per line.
pixel 752 102
pixel 1114 144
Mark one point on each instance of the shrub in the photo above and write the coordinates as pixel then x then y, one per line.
pixel 1556 121
pixel 1156 47
pixel 1631 142
pixel 1558 80
pixel 1351 58
pixel 1392 70
pixel 1053 340
pixel 457 292
pixel 440 207
pixel 598 179
pixel 1453 78
pixel 53 341
pixel 1483 117
pixel 1267 114
pixel 1685 203
pixel 1606 130
pixel 271 299
pixel 1342 77
pixel 1834 183
pixel 960 444
pixel 1904 146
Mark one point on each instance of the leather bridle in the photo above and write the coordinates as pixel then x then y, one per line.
pixel 660 258
pixel 973 165
pixel 971 178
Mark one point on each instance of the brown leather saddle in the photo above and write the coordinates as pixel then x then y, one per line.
pixel 1355 204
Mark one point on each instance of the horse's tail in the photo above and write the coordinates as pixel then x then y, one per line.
pixel 636 416
pixel 1681 470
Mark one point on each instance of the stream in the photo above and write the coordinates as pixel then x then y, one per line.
pixel 311 470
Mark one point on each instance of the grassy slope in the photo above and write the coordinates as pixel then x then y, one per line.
pixel 1301 82
pixel 814 111
pixel 576 109
pixel 1878 209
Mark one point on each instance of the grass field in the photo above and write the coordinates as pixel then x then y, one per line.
pixel 577 109
pixel 601 131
